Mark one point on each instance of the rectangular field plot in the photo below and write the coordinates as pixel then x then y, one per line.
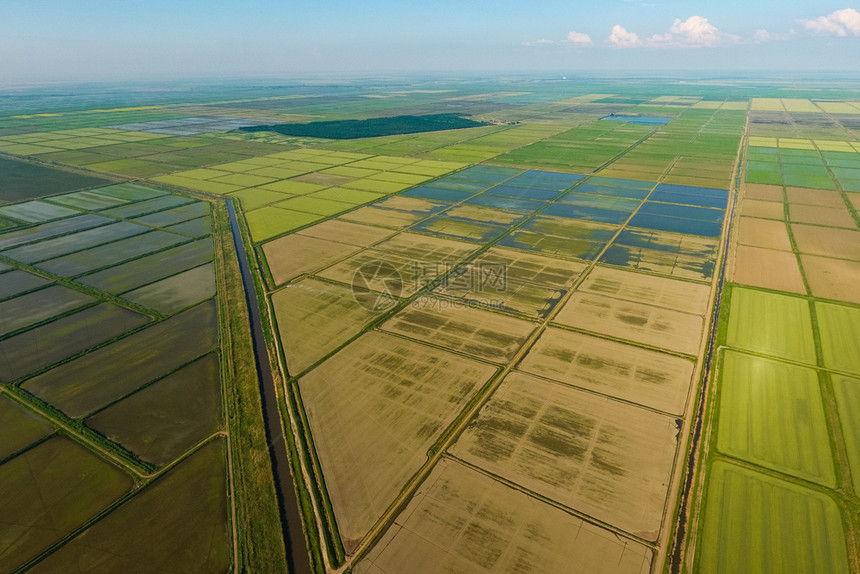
pixel 175 215
pixel 421 248
pixel 755 523
pixel 396 272
pixel 685 256
pixel 268 222
pixel 700 221
pixel 685 195
pixel 638 287
pixel 763 233
pixel 102 376
pixel 827 242
pixel 17 281
pixel 32 308
pixel 530 267
pixel 374 409
pixel 438 194
pixel 655 326
pixel 21 180
pixel 839 326
pixel 52 342
pixel 19 427
pixel 194 227
pixel 591 200
pixel 486 173
pixel 346 232
pixel 110 254
pixel 177 291
pixel 457 327
pixel 561 237
pixel 391 218
pixel 523 192
pixel 293 255
pixel 148 206
pixel 649 378
pixel 847 392
pixel 767 268
pixel 128 276
pixel 50 490
pixel 461 520
pixel 36 211
pixel 610 460
pixel 57 247
pixel 587 213
pixel 46 230
pixel 832 278
pixel 545 180
pixel 164 419
pixel 90 200
pixel 501 202
pixel 154 527
pixel 513 280
pixel 772 324
pixel 314 318
pixel 460 228
pixel 772 414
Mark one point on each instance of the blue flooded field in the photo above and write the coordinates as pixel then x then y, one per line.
pixel 642 120
pixel 662 228
pixel 509 203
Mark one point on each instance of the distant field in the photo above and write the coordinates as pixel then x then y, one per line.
pixel 21 180
pixel 371 128
pixel 492 339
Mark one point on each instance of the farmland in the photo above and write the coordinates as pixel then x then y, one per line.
pixel 112 373
pixel 597 327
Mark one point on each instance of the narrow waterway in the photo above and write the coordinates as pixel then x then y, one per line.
pixel 298 557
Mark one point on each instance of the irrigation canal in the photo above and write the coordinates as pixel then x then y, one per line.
pixel 298 557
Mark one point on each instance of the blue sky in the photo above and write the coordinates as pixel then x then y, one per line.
pixel 50 40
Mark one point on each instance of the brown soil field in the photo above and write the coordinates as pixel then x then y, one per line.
pixel 293 255
pixel 817 215
pixel 455 326
pixel 762 191
pixel 461 520
pixel 374 410
pixel 822 197
pixel 346 232
pixel 840 243
pixel 314 319
pixel 765 209
pixel 631 321
pixel 763 233
pixel 641 288
pixel 766 268
pixel 648 378
pixel 604 458
pixel 832 278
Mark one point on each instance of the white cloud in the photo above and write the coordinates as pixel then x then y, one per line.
pixel 579 39
pixel 541 42
pixel 624 39
pixel 694 32
pixel 762 36
pixel 838 23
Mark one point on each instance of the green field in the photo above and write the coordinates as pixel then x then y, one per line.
pixel 180 522
pixel 755 523
pixel 772 414
pixel 772 324
pixel 50 490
